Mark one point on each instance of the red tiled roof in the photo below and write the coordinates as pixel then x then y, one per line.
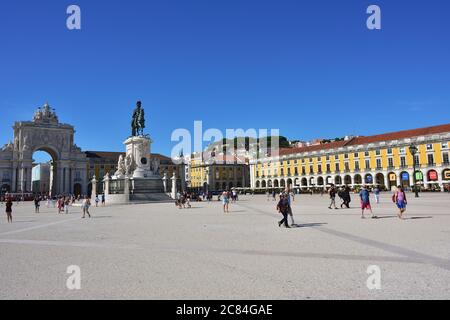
pixel 371 139
pixel 403 134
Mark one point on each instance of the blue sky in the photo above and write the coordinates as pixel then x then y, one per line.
pixel 310 68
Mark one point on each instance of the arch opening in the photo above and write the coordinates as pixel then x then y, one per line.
pixel 43 173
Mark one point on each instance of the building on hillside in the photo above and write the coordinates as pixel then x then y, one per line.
pixel 384 160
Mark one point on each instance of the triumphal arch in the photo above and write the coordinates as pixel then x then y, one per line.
pixel 68 174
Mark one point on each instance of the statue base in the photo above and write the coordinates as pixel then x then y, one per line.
pixel 138 153
pixel 138 179
pixel 136 190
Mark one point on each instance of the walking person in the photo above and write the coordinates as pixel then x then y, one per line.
pixel 283 208
pixel 59 205
pixel 346 197
pixel 290 199
pixel 85 205
pixel 8 205
pixel 376 192
pixel 332 193
pixel 97 200
pixel 66 205
pixel 37 204
pixel 341 196
pixel 188 200
pixel 365 202
pixel 234 196
pixel 400 200
pixel 103 200
pixel 225 201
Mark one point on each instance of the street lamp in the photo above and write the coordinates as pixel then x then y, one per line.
pixel 413 150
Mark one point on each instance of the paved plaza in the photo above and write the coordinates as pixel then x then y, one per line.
pixel 157 251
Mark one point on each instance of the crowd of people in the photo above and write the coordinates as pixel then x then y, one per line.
pixel 183 200
pixel 344 193
pixel 61 203
pixel 287 197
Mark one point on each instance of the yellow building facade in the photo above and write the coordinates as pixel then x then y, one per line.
pixel 217 173
pixel 384 160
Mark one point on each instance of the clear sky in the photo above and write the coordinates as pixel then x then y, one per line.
pixel 310 68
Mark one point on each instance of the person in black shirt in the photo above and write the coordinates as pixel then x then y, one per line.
pixel 37 204
pixel 9 205
pixel 283 208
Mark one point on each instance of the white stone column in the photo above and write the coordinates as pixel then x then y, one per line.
pixel 126 188
pixel 386 181
pixel 21 178
pixel 106 185
pixel 164 179
pixel 174 186
pixel 94 188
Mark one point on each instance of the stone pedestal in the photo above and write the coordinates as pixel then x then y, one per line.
pixel 137 178
pixel 138 156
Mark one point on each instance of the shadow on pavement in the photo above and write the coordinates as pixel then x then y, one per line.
pixel 308 225
pixel 386 217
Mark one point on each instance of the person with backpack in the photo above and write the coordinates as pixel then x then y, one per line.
pixel 283 208
pixel 399 199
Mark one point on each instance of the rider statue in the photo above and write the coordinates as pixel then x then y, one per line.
pixel 138 120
